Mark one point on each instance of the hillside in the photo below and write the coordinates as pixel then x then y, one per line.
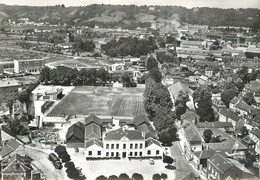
pixel 127 15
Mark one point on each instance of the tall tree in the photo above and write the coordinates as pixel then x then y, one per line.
pixel 227 95
pixel 151 63
pixel 249 98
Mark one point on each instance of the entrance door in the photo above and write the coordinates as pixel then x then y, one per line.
pixel 124 154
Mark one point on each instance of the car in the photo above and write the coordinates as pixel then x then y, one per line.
pixel 151 161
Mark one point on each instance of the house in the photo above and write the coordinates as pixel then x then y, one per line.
pixel 190 139
pixel 12 147
pixel 143 125
pixel 75 135
pixel 225 126
pixel 217 105
pixel 201 157
pixel 240 106
pixel 33 66
pixel 19 167
pixel 249 143
pixel 178 87
pixel 255 136
pixel 220 167
pixel 226 115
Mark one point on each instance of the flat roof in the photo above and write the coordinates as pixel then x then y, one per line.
pixel 8 83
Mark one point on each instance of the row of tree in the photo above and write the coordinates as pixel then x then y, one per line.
pixel 85 77
pixel 158 105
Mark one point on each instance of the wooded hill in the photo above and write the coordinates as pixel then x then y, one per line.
pixel 131 16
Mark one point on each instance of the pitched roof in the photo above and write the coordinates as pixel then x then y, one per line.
pixel 216 124
pixel 256 119
pixel 229 114
pixel 91 142
pixel 247 140
pixel 92 131
pixel 16 164
pixel 221 163
pixel 205 154
pixel 149 131
pixel 235 100
pixel 243 105
pixel 151 141
pixel 75 131
pixel 11 146
pixel 92 119
pixel 140 119
pixel 177 87
pixel 191 132
pixel 191 176
pixel 256 132
pixel 120 133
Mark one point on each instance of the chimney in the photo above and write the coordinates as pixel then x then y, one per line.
pixel 143 134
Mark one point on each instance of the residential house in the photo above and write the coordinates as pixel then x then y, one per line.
pixel 19 167
pixel 191 141
pixel 255 136
pixel 225 126
pixel 249 143
pixel 178 87
pixel 226 115
pixel 12 147
pixel 220 167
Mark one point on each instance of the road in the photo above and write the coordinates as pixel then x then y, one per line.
pixel 183 167
pixel 41 161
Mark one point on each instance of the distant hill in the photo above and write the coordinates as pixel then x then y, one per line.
pixel 127 15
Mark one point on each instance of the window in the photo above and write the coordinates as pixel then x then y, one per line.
pixel 157 152
pixel 124 146
pixel 117 154
pixel 149 152
pixel 90 153
pixel 99 153
pixel 117 146
pixel 107 154
pixel 136 146
pixel 112 146
pixel 141 146
pixel 131 153
pixel 112 154
pixel 131 146
pixel 140 153
pixel 107 146
pixel 135 153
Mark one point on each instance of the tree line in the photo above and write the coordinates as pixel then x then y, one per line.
pixel 129 46
pixel 158 105
pixel 67 76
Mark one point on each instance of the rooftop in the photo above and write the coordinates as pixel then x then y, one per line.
pixel 120 133
pixel 8 83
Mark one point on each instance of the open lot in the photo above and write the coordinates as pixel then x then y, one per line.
pixel 93 169
pixel 105 101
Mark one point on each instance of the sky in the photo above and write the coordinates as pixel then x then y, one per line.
pixel 184 3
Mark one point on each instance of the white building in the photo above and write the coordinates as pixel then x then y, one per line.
pixel 33 66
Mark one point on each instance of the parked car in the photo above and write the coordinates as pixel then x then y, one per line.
pixel 55 160
pixel 151 161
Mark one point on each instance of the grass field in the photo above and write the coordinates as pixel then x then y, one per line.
pixel 106 101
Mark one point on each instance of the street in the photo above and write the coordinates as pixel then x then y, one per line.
pixel 183 167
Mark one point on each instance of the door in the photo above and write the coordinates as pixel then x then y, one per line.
pixel 124 154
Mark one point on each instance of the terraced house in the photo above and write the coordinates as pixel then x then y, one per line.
pixel 121 139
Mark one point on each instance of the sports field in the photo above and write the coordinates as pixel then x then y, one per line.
pixel 105 101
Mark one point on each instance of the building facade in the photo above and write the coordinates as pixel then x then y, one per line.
pixel 33 66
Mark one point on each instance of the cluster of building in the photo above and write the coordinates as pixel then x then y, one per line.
pixel 115 138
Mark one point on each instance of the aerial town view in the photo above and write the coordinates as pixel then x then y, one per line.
pixel 129 90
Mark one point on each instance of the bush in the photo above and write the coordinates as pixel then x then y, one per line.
pixel 164 176
pixel 137 176
pixel 168 160
pixel 145 157
pixel 69 165
pixel 113 177
pixel 101 158
pixel 124 176
pixel 156 177
pixel 59 147
pixel 101 177
pixel 65 157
